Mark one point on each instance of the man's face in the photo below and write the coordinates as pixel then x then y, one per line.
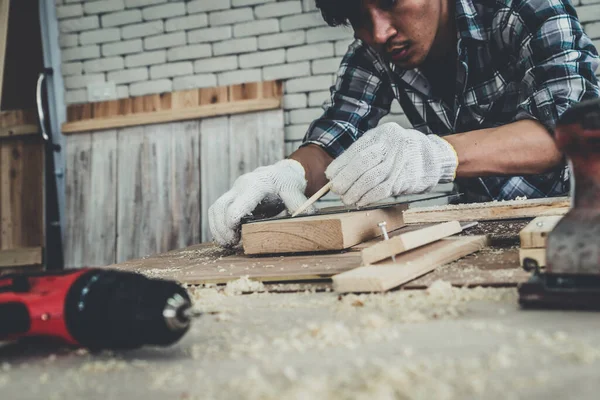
pixel 403 31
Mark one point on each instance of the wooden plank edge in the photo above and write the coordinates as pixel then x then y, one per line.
pixel 203 111
pixel 21 130
pixel 522 209
pixel 21 257
pixel 345 282
pixel 408 241
pixel 535 234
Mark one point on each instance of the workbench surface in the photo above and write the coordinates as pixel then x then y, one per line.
pixel 443 342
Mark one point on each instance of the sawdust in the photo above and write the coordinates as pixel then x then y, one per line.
pixel 243 285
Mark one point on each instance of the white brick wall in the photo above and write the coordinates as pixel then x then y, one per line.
pixel 155 46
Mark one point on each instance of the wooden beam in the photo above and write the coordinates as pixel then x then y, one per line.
pixel 21 257
pixel 535 234
pixel 408 241
pixel 318 232
pixel 496 210
pixel 387 275
pixel 176 106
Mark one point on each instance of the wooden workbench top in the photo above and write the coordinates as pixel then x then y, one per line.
pixel 497 265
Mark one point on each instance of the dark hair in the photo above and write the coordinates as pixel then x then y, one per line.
pixel 339 12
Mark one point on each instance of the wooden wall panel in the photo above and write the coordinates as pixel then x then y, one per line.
pixel 91 190
pixel 21 193
pixel 214 160
pixel 159 194
pixel 166 177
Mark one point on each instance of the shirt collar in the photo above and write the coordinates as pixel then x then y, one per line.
pixel 468 21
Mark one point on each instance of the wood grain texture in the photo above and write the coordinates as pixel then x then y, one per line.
pixel 489 211
pixel 538 255
pixel 318 233
pixel 21 257
pixel 214 169
pixel 159 193
pixel 91 197
pixel 535 234
pixel 21 193
pixel 18 123
pixel 4 13
pixel 388 275
pixel 408 241
pixel 206 263
pixel 176 106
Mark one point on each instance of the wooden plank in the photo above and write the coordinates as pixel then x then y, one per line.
pixel 4 12
pixel 535 234
pixel 21 257
pixel 159 193
pixel 408 241
pixel 214 165
pixel 91 200
pixel 206 263
pixel 489 211
pixel 256 139
pixel 21 193
pixel 176 106
pixel 162 116
pixel 388 275
pixel 537 255
pixel 319 232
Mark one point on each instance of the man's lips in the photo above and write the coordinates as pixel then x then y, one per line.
pixel 399 53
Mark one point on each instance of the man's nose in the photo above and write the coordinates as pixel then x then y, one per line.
pixel 382 27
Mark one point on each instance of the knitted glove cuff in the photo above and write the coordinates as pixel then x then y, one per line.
pixel 447 156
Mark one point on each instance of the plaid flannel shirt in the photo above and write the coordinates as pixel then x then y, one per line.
pixel 519 59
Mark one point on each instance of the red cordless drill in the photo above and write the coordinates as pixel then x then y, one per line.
pixel 94 308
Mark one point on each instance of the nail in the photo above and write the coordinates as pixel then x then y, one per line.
pixel 382 226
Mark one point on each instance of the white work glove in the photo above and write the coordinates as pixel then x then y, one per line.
pixel 282 181
pixel 388 161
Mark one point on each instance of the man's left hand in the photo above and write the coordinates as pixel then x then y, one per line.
pixel 388 161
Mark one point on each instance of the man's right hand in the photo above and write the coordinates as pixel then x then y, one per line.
pixel 283 180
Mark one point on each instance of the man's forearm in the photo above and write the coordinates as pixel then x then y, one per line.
pixel 519 148
pixel 315 161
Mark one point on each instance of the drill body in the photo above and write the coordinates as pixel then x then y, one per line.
pixel 93 308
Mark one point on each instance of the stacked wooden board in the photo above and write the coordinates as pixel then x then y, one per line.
pixel 419 249
pixel 534 238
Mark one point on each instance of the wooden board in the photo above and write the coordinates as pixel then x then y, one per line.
pixel 176 106
pixel 496 210
pixel 408 241
pixel 21 193
pixel 387 275
pixel 535 234
pixel 21 257
pixel 206 263
pixel 158 189
pixel 91 195
pixel 4 12
pixel 318 232
pixel 538 255
pixel 18 123
pixel 496 266
pixel 214 165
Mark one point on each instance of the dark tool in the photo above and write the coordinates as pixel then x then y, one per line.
pixel 572 275
pixel 94 308
pixel 260 216
pixel 53 257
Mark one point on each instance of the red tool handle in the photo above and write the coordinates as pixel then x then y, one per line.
pixel 34 305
